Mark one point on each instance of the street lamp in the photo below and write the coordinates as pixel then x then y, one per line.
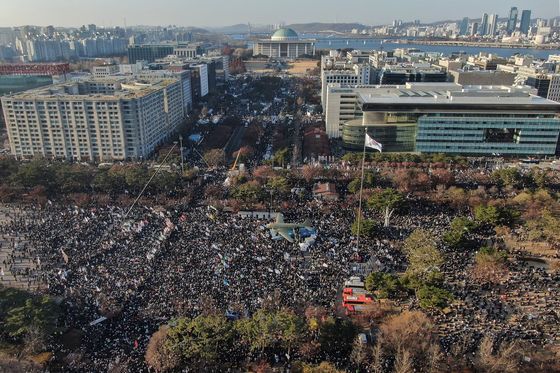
pixel 182 158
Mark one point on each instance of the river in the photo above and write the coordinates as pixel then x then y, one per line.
pixel 365 44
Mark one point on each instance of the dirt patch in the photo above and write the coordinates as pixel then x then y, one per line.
pixel 302 67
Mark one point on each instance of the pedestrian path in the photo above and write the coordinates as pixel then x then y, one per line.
pixel 17 268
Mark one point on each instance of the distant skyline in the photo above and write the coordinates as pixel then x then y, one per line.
pixel 215 13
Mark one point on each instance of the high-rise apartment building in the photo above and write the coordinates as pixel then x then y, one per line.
pixel 474 28
pixel 492 25
pixel 94 120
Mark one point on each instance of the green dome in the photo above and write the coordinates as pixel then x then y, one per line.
pixel 285 34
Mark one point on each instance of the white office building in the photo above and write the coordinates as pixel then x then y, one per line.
pixel 94 120
pixel 104 71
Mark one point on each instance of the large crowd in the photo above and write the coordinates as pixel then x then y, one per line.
pixel 142 269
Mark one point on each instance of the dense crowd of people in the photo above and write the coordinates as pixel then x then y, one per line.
pixel 154 265
pixel 144 269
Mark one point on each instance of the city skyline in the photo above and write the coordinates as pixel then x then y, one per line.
pixel 107 13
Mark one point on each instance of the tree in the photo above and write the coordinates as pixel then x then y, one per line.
pixel 541 178
pixel 422 253
pixel 248 192
pixel 266 330
pixel 368 227
pixel 8 167
pixel 159 355
pixel 360 354
pixel 72 178
pixel 510 177
pixel 28 318
pixel 487 215
pixel 336 338
pixel 369 182
pixel 215 157
pixel 279 185
pixel 495 215
pixel 136 177
pixel 281 157
pixel 33 174
pixel 384 284
pixel 109 181
pixel 456 236
pixel 206 341
pixel 544 227
pixel 403 362
pixel 490 266
pixel 263 172
pixel 244 153
pixel 506 359
pixel 456 197
pixel 433 297
pixel 386 201
pixel 443 177
pixel 411 180
pixel 410 330
pixel 324 367
pixel 434 359
pixel 378 359
pixel 310 172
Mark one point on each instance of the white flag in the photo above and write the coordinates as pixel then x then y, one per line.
pixel 372 144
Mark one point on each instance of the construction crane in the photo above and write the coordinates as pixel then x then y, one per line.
pixel 236 160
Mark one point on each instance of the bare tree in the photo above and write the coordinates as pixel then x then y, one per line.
pixel 505 360
pixel 377 362
pixel 403 362
pixel 158 356
pixel 411 331
pixel 434 359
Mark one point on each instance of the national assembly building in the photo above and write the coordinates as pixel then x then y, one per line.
pixel 284 43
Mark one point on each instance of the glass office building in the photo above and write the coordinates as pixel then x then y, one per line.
pixel 395 137
pixel 454 119
pixel 530 135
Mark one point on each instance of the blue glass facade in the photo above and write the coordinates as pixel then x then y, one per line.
pixel 486 135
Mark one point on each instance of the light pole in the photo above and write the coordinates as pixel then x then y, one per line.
pixel 182 158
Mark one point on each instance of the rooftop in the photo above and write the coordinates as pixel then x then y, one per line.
pixel 101 88
pixel 425 94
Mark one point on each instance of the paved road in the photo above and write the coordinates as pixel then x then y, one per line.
pixel 234 142
pixel 13 260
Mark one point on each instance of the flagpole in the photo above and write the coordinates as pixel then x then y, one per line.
pixel 361 192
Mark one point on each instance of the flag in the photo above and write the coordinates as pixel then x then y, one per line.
pixel 372 144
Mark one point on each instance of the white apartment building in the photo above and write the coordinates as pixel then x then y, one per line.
pixel 202 70
pixel 184 77
pixel 105 71
pixel 96 120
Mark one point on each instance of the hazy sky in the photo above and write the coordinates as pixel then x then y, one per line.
pixel 228 12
